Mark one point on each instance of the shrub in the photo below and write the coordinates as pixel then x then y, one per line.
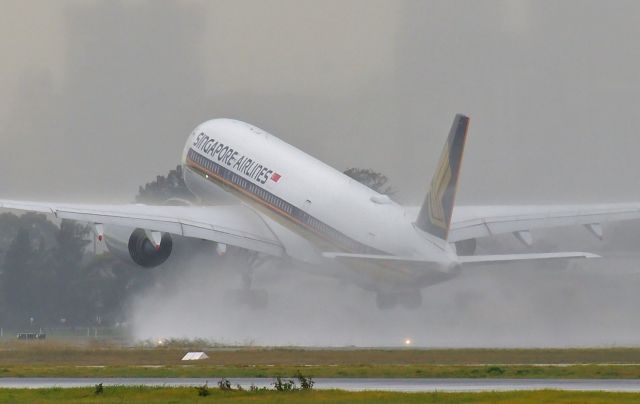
pixel 203 390
pixel 99 389
pixel 306 382
pixel 286 385
pixel 224 384
pixel 495 370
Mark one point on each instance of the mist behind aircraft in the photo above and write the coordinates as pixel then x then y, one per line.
pixel 584 303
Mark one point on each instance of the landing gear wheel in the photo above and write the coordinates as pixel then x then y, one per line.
pixel 411 300
pixel 386 301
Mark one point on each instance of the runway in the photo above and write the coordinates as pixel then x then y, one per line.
pixel 398 385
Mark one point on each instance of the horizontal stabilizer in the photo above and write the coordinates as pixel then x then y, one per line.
pixel 504 258
pixel 373 257
pixel 400 263
pixel 465 261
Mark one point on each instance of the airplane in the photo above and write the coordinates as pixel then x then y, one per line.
pixel 263 196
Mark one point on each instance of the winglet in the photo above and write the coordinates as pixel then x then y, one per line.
pixel 437 208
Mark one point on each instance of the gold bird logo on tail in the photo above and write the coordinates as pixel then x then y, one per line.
pixel 437 209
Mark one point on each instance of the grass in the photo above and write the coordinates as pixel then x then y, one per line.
pixel 189 395
pixel 99 359
pixel 90 353
pixel 361 371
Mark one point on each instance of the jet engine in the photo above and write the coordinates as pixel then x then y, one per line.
pixel 143 251
pixel 135 246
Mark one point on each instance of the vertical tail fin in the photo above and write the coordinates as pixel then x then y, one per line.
pixel 437 208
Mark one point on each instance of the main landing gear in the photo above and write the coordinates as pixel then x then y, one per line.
pixel 255 299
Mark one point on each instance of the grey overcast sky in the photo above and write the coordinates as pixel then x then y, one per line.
pixel 97 97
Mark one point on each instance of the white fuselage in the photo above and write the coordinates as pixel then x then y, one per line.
pixel 310 197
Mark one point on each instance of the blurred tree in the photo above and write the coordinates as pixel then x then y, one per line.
pixel 26 282
pixel 71 299
pixel 372 179
pixel 51 280
pixel 36 223
pixel 18 263
pixel 164 188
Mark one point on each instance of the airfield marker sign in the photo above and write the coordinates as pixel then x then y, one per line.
pixel 195 356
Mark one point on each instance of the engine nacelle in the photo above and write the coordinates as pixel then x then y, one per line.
pixel 133 246
pixel 144 253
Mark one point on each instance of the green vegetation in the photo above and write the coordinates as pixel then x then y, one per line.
pixel 372 179
pixel 51 280
pixel 90 351
pixel 100 359
pixel 189 395
pixel 400 371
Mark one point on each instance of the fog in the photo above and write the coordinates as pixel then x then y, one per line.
pixel 103 93
pixel 97 97
pixel 580 303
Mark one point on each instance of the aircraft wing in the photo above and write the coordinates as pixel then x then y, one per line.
pixel 482 221
pixel 236 225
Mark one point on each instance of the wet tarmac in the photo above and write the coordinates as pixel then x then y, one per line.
pixel 399 385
